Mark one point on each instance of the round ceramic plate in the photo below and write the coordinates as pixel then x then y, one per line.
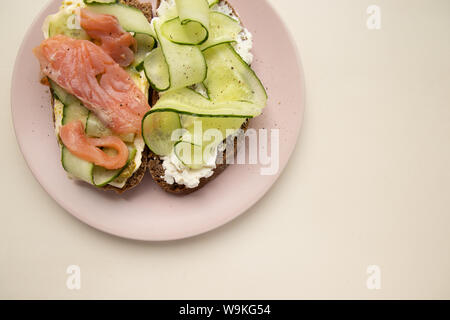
pixel 147 212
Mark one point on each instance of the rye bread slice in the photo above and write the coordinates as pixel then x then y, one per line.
pixel 155 164
pixel 136 178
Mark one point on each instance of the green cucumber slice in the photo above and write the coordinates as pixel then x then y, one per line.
pixel 187 101
pixel 73 108
pixel 157 130
pixel 130 18
pixel 65 23
pixel 190 154
pixel 90 173
pixel 196 11
pixel 213 2
pixel 61 94
pixel 102 177
pixel 157 70
pixel 95 128
pixel 230 78
pixel 73 112
pixel 195 156
pixel 145 44
pixel 192 24
pixel 223 28
pixel 191 33
pixel 186 63
pixel 209 143
pixel 77 167
pixel 223 125
pixel 160 123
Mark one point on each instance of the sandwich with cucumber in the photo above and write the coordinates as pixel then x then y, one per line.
pixel 205 92
pixel 89 59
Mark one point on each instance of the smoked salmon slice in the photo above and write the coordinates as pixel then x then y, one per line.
pixel 119 44
pixel 84 70
pixel 74 138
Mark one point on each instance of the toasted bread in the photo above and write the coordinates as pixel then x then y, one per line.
pixel 137 177
pixel 155 164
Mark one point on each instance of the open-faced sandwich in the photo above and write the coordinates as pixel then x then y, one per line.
pixel 89 57
pixel 205 92
pixel 130 91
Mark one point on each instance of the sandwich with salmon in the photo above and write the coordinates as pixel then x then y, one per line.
pixel 99 97
pixel 205 92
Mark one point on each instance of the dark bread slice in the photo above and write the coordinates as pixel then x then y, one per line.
pixel 136 178
pixel 155 164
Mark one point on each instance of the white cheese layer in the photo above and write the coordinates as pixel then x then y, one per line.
pixel 175 171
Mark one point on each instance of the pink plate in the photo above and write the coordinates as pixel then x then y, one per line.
pixel 148 213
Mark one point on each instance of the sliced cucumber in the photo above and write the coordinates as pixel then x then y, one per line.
pixel 230 78
pixel 222 29
pixel 157 130
pixel 65 23
pixel 95 128
pixel 186 63
pixel 193 11
pixel 90 173
pixel 160 123
pixel 61 94
pixel 102 177
pixel 195 156
pixel 130 18
pixel 213 2
pixel 191 33
pixel 191 27
pixel 73 112
pixel 190 154
pixel 145 44
pixel 77 167
pixel 73 108
pixel 157 70
pixel 187 101
pixel 223 125
pixel 200 134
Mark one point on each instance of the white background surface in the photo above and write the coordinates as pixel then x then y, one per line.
pixel 369 183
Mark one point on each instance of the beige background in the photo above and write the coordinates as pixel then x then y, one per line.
pixel 369 183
